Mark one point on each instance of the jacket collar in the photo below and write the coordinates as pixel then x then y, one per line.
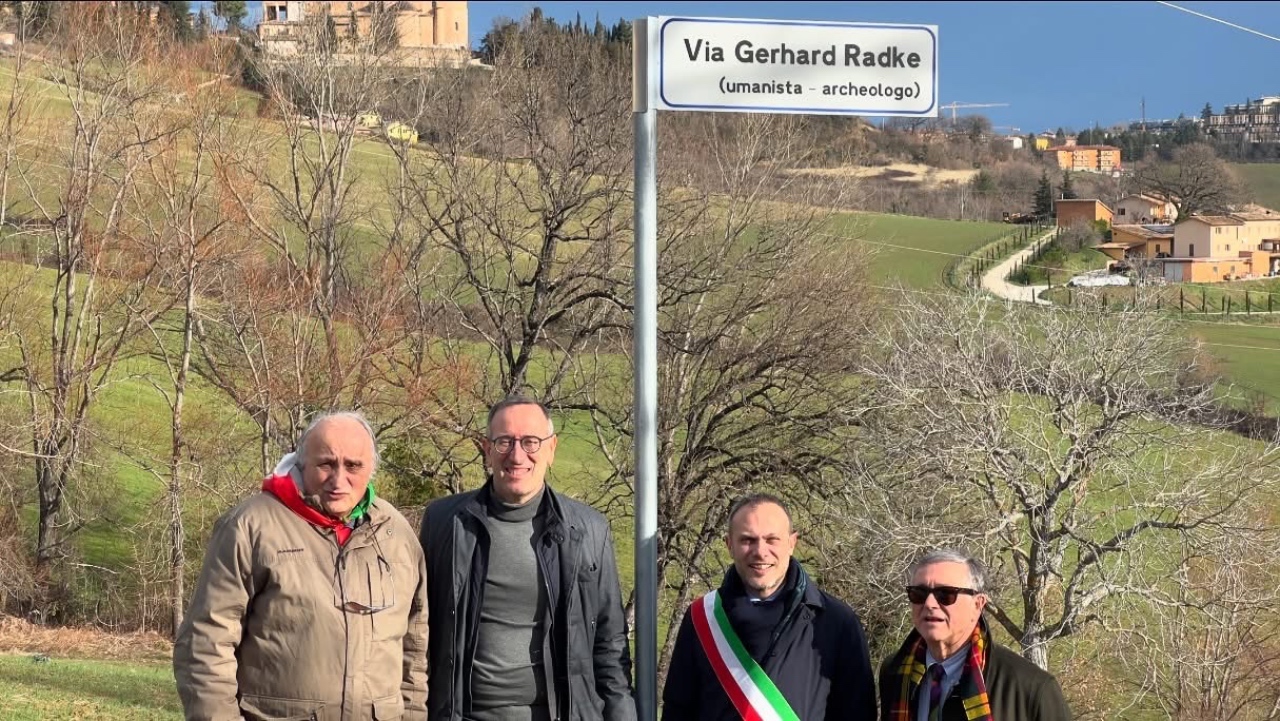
pixel 983 627
pixel 550 507
pixel 801 587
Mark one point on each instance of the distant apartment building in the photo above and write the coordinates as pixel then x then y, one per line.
pixel 1090 158
pixel 1255 121
pixel 424 29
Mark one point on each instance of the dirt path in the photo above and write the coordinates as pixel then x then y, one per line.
pixel 995 281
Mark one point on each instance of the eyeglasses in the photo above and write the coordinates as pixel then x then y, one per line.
pixel 530 444
pixel 946 595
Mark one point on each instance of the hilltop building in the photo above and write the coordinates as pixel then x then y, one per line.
pixel 1255 121
pixel 434 31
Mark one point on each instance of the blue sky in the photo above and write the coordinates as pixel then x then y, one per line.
pixel 1070 64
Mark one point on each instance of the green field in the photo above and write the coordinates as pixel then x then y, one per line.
pixel 915 252
pixel 1263 179
pixel 73 689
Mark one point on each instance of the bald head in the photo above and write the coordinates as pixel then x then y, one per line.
pixel 338 455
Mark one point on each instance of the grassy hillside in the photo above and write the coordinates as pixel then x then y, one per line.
pixel 915 252
pixel 1263 179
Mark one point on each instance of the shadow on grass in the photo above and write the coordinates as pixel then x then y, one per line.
pixel 150 685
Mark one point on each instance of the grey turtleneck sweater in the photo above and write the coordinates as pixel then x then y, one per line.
pixel 507 682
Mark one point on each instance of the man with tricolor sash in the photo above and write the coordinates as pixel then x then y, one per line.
pixel 768 645
pixel 949 669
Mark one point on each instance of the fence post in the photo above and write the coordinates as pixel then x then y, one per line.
pixel 1248 306
pixel 1204 300
pixel 1181 299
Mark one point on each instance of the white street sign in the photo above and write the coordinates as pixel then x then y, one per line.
pixel 797 66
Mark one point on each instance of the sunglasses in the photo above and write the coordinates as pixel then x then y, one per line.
pixel 946 595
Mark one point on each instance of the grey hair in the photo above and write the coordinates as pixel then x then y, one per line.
pixel 519 400
pixel 356 416
pixel 977 571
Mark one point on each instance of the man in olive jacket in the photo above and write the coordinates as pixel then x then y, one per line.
pixel 949 669
pixel 526 619
pixel 312 600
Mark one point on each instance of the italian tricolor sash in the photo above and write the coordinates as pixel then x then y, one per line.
pixel 749 688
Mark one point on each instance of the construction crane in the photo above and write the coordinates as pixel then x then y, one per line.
pixel 953 106
pixel 1010 128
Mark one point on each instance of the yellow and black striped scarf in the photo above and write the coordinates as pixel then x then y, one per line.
pixel 972 687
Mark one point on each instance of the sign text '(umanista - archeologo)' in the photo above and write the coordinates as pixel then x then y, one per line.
pixel 853 56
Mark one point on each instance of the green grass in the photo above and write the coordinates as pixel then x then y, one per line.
pixel 916 252
pixel 1263 179
pixel 100 690
pixel 1057 264
pixel 1250 356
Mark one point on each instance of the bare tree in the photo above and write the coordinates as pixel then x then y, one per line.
pixel 1209 649
pixel 1061 446
pixel 190 242
pixel 98 299
pixel 761 318
pixel 309 323
pixel 1195 181
pixel 527 196
pixel 20 107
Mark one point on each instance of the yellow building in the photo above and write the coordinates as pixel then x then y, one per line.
pixel 1213 248
pixel 423 28
pixel 1094 158
pixel 1144 242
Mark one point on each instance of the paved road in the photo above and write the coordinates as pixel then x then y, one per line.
pixel 993 281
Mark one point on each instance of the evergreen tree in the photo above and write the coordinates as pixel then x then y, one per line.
pixel 1068 190
pixel 983 182
pixel 1206 113
pixel 232 12
pixel 176 15
pixel 1044 197
pixel 201 25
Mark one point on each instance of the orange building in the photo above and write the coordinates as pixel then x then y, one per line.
pixel 1081 210
pixel 421 26
pixel 1093 158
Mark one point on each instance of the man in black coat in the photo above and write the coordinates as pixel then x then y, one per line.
pixel 526 616
pixel 949 669
pixel 768 639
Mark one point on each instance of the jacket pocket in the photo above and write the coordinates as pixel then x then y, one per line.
pixel 390 708
pixel 267 708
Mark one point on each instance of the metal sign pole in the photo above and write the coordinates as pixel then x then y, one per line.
pixel 644 75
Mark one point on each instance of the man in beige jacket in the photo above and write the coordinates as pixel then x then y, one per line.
pixel 312 600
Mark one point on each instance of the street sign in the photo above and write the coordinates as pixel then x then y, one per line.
pixel 739 66
pixel 797 66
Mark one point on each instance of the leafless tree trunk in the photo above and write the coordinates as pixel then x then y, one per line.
pixel 191 242
pixel 96 301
